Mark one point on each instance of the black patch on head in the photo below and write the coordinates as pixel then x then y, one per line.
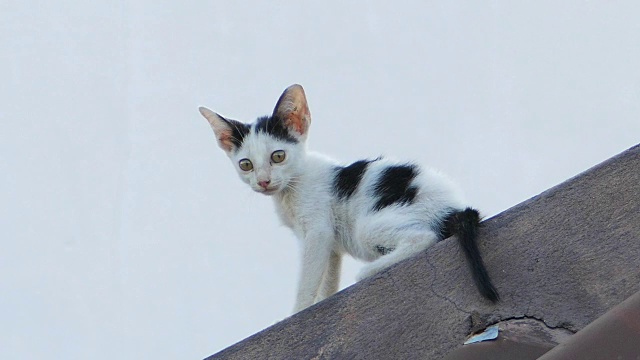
pixel 348 178
pixel 239 131
pixel 274 126
pixel 394 186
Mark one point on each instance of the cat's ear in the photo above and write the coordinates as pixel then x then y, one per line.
pixel 229 133
pixel 293 109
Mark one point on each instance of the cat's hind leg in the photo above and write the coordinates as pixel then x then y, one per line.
pixel 393 244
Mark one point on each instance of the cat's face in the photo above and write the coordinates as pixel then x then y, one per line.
pixel 268 165
pixel 268 153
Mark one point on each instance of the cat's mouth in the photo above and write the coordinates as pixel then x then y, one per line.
pixel 268 191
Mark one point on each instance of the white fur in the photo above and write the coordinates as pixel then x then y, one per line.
pixel 327 227
pixel 330 227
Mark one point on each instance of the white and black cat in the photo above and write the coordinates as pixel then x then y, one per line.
pixel 377 210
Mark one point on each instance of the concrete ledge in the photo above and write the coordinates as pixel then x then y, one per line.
pixel 563 257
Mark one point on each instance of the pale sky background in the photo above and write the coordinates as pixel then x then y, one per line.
pixel 125 231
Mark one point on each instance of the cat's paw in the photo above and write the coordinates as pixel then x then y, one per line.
pixel 366 271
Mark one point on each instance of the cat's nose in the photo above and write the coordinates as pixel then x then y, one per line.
pixel 264 183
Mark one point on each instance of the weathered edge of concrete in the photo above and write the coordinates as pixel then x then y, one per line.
pixel 613 335
pixel 563 257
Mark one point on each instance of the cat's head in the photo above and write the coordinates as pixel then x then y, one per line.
pixel 268 153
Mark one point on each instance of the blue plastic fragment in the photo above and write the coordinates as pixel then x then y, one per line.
pixel 490 333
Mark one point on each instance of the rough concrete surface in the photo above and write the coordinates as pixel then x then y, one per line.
pixel 563 257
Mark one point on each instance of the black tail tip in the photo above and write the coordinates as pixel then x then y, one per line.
pixel 490 293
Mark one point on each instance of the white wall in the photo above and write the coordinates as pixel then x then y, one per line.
pixel 125 233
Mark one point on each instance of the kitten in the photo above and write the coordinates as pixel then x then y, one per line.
pixel 377 210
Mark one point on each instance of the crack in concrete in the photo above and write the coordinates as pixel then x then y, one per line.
pixel 563 325
pixel 475 317
pixel 440 296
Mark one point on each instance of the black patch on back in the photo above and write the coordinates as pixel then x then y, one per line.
pixel 239 131
pixel 394 186
pixel 274 126
pixel 348 178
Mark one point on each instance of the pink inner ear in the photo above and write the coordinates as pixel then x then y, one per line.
pixel 225 141
pixel 295 121
pixel 292 107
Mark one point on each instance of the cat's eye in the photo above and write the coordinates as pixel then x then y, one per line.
pixel 278 156
pixel 245 164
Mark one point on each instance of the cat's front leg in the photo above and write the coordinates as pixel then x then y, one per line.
pixel 316 256
pixel 331 280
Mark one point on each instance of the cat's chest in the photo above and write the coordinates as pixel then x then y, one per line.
pixel 301 213
pixel 287 206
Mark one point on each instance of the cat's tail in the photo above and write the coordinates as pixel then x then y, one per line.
pixel 465 225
